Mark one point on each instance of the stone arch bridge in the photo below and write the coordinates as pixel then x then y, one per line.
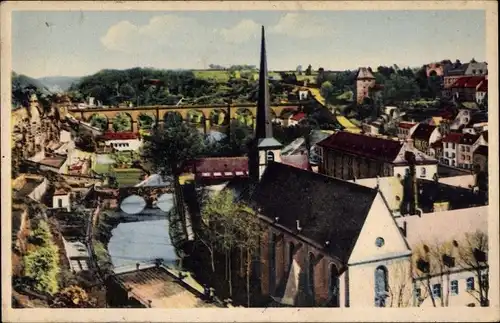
pixel 208 117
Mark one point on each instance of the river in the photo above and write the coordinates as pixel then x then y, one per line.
pixel 142 241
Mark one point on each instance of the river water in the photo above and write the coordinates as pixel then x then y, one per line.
pixel 142 241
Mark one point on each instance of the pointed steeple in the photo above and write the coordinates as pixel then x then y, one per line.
pixel 264 127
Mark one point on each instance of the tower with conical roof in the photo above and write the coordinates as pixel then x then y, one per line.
pixel 264 147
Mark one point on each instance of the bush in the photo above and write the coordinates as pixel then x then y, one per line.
pixel 72 297
pixel 41 236
pixel 42 267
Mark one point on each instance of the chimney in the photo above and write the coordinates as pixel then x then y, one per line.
pixel 410 158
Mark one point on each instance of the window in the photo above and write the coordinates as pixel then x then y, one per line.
pixel 270 156
pixel 453 155
pixel 381 286
pixel 436 290
pixel 334 286
pixel 462 148
pixel 467 149
pixel 423 172
pixel 272 262
pixel 447 154
pixel 453 163
pixel 466 119
pixel 453 145
pixel 59 202
pixel 470 283
pixel 454 287
pixel 311 275
pixel 418 293
pixel 379 242
pixel 468 158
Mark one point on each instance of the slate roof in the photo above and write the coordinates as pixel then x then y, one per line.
pixel 361 145
pixel 328 209
pixel 430 192
pixel 364 73
pixel 468 139
pixel 423 132
pixel 481 150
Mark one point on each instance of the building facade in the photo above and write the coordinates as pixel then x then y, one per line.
pixel 364 82
pixel 465 150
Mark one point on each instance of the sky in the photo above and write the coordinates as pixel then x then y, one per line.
pixel 78 43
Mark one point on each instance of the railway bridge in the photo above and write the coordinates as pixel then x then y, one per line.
pixel 207 117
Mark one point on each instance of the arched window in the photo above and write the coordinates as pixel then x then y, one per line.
pixel 270 156
pixel 291 250
pixel 272 262
pixel 381 286
pixel 423 172
pixel 311 276
pixel 333 289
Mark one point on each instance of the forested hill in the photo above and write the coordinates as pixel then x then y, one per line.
pixel 23 86
pixel 147 86
pixel 59 83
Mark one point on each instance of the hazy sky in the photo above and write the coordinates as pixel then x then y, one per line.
pixel 83 42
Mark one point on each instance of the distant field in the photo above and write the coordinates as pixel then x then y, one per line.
pixel 219 76
pixel 102 168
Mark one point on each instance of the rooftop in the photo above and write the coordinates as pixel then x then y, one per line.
pixel 320 204
pixel 468 82
pixel 300 161
pixel 481 150
pixel 220 167
pixel 157 285
pixel 453 137
pixel 54 161
pixel 26 185
pixel 448 171
pixel 298 116
pixel 406 125
pixel 423 132
pixel 361 145
pixel 468 139
pixel 364 73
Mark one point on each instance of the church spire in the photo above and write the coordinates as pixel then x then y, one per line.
pixel 264 127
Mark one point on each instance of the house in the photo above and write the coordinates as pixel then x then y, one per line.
pixel 450 148
pixel 436 149
pixel 348 155
pixel 481 91
pixel 296 118
pixel 62 199
pixel 215 170
pixel 77 254
pixel 480 157
pixel 476 68
pixel 55 163
pixel 312 254
pixel 462 119
pixel 425 135
pixel 452 273
pixel 465 150
pixel 464 89
pixel 406 129
pixel 452 73
pixel 285 116
pixel 372 128
pixel 121 141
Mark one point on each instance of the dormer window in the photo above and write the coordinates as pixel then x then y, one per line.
pixel 270 156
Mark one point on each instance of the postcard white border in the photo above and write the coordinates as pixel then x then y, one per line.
pixel 252 315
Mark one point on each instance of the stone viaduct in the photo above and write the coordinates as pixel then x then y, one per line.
pixel 201 116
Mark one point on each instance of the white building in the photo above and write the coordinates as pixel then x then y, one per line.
pixel 124 144
pixel 62 199
pixel 450 148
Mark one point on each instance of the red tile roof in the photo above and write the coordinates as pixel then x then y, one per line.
pixel 423 132
pixel 406 125
pixel 483 87
pixel 361 145
pixel 219 167
pixel 299 116
pixel 468 82
pixel 119 135
pixel 453 137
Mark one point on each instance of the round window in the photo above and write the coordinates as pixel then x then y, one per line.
pixel 379 242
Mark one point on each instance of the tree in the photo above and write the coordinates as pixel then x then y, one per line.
pixel 400 284
pixel 86 142
pixel 169 147
pixel 473 255
pixel 99 121
pixel 122 122
pixel 72 297
pixel 42 268
pixel 309 70
pixel 299 69
pixel 327 91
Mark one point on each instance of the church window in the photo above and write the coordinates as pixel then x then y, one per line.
pixel 454 287
pixel 270 156
pixel 381 286
pixel 272 262
pixel 311 276
pixel 334 286
pixel 470 283
pixel 436 290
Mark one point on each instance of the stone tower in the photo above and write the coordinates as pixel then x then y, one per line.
pixel 264 147
pixel 364 81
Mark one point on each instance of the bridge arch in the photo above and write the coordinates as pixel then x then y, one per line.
pixel 219 117
pixel 99 120
pixel 145 121
pixel 245 116
pixel 123 121
pixel 195 117
pixel 172 116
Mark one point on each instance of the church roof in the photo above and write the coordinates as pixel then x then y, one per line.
pixel 269 143
pixel 423 132
pixel 328 209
